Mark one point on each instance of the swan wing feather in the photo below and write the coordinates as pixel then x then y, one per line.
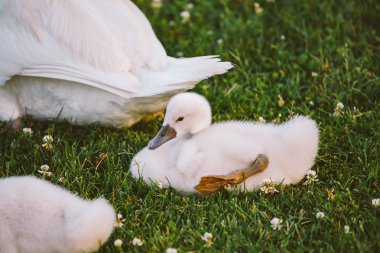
pixel 43 38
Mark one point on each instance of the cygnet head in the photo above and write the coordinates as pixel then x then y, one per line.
pixel 186 113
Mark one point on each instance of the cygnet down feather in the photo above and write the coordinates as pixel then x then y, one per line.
pixel 189 148
pixel 37 216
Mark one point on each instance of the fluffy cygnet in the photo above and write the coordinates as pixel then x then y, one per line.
pixel 37 217
pixel 189 148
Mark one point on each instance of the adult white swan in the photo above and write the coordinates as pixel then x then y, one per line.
pixel 88 61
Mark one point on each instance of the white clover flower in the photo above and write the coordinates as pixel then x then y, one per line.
pixel 311 173
pixel 190 6
pixel 258 9
pixel 276 223
pixel 27 131
pixel 45 167
pixel 44 171
pixel 119 221
pixel 137 242
pixel 185 15
pixel 160 184
pixel 207 237
pixel 346 229
pixel 171 250
pixel 320 215
pixel 268 186
pixel 118 243
pixel 376 202
pixel 338 109
pixel 47 139
pixel 219 41
pixel 156 4
pixel 262 120
pixel 311 103
pixel 62 180
pixel 314 74
pixel 282 37
pixel 311 176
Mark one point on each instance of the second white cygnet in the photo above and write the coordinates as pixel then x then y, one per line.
pixel 39 217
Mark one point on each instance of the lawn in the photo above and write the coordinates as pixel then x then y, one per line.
pixel 295 57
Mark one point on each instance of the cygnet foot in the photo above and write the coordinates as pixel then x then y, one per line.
pixel 213 183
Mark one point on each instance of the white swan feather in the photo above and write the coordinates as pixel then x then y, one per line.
pixel 102 51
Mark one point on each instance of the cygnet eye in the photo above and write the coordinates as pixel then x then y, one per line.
pixel 179 119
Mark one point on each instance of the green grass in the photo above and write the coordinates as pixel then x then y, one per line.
pixel 338 40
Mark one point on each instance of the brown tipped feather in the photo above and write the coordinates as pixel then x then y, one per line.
pixel 214 183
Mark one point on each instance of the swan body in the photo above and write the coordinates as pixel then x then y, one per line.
pixel 196 149
pixel 88 61
pixel 36 216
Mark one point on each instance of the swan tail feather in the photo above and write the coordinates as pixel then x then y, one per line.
pixel 181 74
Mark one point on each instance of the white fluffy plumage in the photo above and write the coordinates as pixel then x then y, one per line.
pixel 36 216
pixel 88 61
pixel 200 149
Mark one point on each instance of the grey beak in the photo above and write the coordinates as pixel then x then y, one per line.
pixel 165 134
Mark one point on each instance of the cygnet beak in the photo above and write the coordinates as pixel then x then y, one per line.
pixel 165 134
